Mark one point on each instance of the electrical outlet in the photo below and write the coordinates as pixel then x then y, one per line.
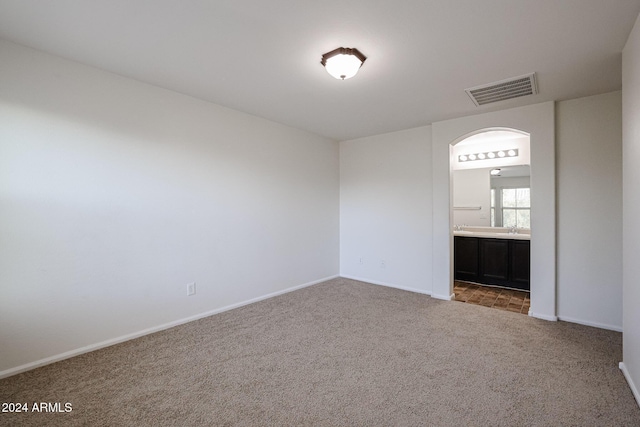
pixel 361 261
pixel 383 264
pixel 191 289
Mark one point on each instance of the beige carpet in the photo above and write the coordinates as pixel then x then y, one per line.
pixel 342 353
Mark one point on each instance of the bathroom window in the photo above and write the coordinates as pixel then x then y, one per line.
pixel 516 207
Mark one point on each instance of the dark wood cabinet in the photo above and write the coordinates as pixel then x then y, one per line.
pixel 494 260
pixel 466 259
pixel 520 263
pixel 502 262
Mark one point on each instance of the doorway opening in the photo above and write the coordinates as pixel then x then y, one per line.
pixel 491 217
pixel 537 121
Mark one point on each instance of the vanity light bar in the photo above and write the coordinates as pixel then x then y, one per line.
pixel 487 155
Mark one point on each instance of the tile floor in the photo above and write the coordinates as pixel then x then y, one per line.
pixel 488 296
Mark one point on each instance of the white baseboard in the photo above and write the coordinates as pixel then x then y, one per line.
pixel 543 316
pixel 588 323
pixel 123 338
pixel 388 285
pixel 444 297
pixel 627 376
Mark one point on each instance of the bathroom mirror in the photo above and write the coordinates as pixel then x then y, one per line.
pixel 498 199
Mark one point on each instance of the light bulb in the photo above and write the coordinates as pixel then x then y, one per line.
pixel 343 66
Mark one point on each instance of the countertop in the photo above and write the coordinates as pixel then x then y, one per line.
pixel 493 234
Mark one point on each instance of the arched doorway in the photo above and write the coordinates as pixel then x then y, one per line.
pixel 491 209
pixel 537 121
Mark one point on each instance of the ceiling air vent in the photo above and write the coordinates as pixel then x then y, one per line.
pixel 504 89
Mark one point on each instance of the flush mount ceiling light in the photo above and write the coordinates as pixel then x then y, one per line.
pixel 343 62
pixel 488 155
pixel 495 172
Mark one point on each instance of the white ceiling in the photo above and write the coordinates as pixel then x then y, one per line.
pixel 263 57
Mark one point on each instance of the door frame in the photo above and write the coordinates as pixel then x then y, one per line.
pixel 538 121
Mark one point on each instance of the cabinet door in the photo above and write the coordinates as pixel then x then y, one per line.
pixel 494 261
pixel 466 258
pixel 520 264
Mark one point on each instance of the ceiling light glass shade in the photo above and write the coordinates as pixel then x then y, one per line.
pixel 495 172
pixel 343 62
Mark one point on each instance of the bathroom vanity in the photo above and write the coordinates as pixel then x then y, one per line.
pixel 492 256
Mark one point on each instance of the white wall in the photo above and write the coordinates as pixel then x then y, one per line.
pixel 589 185
pixel 115 194
pixel 631 209
pixel 385 209
pixel 472 189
